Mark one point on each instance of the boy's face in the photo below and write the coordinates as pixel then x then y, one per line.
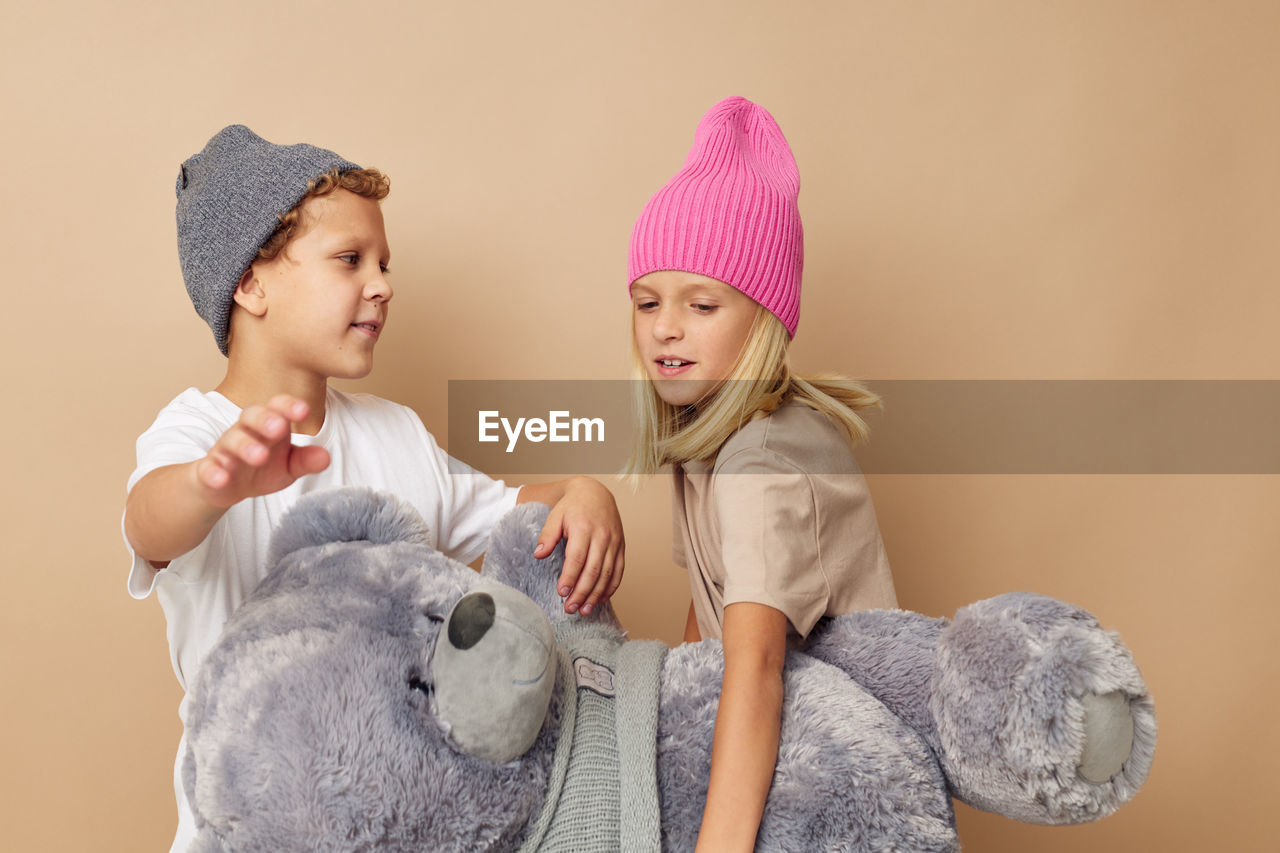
pixel 327 292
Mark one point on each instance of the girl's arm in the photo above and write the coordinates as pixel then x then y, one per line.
pixel 745 748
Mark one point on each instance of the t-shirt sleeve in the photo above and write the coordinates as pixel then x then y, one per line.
pixel 176 437
pixel 173 439
pixel 471 503
pixel 765 510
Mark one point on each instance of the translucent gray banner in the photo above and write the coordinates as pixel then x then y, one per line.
pixel 561 427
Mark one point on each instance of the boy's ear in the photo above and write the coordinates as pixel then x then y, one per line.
pixel 249 293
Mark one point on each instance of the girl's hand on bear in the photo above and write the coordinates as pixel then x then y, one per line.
pixel 587 517
pixel 255 456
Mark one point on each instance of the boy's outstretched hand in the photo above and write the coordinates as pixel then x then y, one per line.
pixel 173 508
pixel 584 513
pixel 255 456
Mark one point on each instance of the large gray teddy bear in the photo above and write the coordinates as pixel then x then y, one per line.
pixel 374 695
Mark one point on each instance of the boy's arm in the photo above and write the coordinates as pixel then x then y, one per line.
pixel 172 509
pixel 164 516
pixel 744 751
pixel 583 512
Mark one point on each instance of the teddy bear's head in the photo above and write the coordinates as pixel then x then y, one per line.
pixel 356 688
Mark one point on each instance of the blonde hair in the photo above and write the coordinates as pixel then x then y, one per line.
pixel 759 381
pixel 369 183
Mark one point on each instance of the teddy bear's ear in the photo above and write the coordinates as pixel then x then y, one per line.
pixel 509 558
pixel 348 514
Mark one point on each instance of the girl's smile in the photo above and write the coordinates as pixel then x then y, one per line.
pixel 672 366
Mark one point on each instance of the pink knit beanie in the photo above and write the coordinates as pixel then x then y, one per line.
pixel 730 213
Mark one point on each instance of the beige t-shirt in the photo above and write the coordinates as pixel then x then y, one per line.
pixel 782 517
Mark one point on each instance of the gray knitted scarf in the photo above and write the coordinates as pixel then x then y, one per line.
pixel 605 756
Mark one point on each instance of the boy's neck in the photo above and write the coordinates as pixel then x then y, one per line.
pixel 246 386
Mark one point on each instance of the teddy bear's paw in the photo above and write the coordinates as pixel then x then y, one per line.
pixel 1042 715
pixel 1108 735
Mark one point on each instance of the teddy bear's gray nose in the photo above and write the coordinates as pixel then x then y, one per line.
pixel 471 619
pixel 494 677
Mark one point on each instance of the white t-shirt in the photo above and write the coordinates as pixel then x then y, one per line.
pixel 371 441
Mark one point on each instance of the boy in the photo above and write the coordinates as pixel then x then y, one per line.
pixel 284 254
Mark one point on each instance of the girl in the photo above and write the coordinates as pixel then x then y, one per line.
pixel 772 516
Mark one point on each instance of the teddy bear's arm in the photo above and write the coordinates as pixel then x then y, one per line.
pixel 1041 714
pixel 1033 710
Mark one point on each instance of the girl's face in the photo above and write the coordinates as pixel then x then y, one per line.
pixel 689 330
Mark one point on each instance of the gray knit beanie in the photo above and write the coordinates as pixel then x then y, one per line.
pixel 230 199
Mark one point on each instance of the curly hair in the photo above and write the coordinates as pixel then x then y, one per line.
pixel 369 183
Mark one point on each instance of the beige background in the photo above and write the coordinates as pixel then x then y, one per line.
pixel 1080 190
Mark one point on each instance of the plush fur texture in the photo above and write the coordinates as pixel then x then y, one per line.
pixel 314 723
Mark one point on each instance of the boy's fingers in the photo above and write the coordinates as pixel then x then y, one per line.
pixel 615 579
pixel 574 558
pixel 246 445
pixel 270 425
pixel 552 532
pixel 292 409
pixel 223 458
pixel 211 474
pixel 588 579
pixel 307 460
pixel 602 582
